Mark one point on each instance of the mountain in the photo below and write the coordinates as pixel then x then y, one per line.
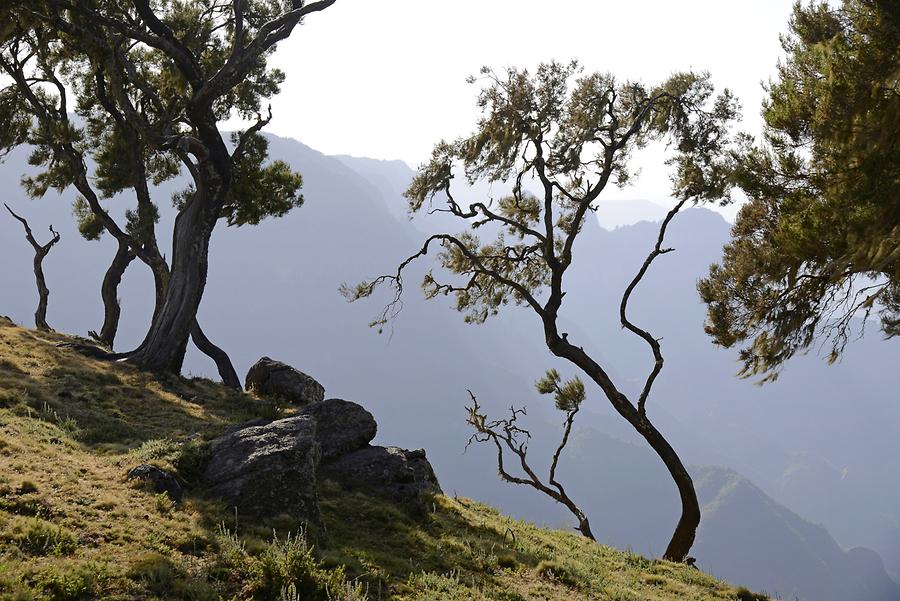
pixel 272 290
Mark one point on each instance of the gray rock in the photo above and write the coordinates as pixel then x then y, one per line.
pixel 400 475
pixel 158 479
pixel 269 469
pixel 341 426
pixel 277 380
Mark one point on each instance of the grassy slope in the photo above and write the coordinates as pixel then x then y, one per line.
pixel 72 528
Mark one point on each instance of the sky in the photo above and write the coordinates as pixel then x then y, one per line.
pixel 386 79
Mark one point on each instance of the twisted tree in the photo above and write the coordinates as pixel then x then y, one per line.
pixel 166 74
pixel 570 139
pixel 816 251
pixel 507 436
pixel 40 251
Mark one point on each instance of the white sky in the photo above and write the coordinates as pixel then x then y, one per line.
pixel 387 79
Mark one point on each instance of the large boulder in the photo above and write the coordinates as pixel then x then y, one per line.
pixel 268 469
pixel 400 475
pixel 341 426
pixel 277 380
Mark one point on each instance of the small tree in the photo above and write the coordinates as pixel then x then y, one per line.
pixel 508 436
pixel 571 140
pixel 174 71
pixel 818 245
pixel 40 251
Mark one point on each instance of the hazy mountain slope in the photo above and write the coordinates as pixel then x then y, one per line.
pixel 802 560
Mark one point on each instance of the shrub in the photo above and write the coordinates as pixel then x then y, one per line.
pixel 35 536
pixel 745 594
pixel 67 584
pixel 556 572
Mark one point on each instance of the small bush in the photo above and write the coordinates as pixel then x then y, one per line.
pixel 155 572
pixel 27 487
pixel 164 505
pixel 745 594
pixel 67 584
pixel 556 572
pixel 40 537
pixel 284 567
pixel 507 561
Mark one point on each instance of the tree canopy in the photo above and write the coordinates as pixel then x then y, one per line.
pixel 817 249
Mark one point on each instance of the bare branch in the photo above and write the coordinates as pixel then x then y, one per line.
pixel 623 306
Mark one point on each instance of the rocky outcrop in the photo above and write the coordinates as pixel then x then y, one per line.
pixel 267 469
pixel 158 480
pixel 277 380
pixel 400 475
pixel 341 427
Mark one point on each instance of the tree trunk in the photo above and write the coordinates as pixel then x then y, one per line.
pixel 109 291
pixel 40 315
pixel 223 362
pixel 683 538
pixel 40 251
pixel 164 346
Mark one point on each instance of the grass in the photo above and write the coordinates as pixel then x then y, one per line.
pixel 72 528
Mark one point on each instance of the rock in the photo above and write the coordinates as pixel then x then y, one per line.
pixel 401 475
pixel 259 421
pixel 266 470
pixel 341 426
pixel 159 480
pixel 270 378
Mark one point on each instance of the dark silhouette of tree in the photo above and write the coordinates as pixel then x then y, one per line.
pixel 508 436
pixel 570 140
pixel 172 71
pixel 816 251
pixel 40 251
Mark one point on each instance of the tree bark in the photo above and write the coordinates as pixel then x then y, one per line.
pixel 164 346
pixel 40 251
pixel 223 362
pixel 685 531
pixel 109 292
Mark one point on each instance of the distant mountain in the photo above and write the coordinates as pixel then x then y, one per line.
pixel 272 290
pixel 746 532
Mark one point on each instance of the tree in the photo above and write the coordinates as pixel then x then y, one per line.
pixel 816 250
pixel 44 123
pixel 40 251
pixel 508 436
pixel 571 140
pixel 173 70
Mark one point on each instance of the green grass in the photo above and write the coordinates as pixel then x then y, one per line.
pixel 72 528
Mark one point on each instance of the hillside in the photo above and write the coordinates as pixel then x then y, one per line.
pixel 71 527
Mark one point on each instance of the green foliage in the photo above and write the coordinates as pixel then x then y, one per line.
pixel 36 536
pixel 568 395
pixel 572 134
pixel 260 191
pixel 818 245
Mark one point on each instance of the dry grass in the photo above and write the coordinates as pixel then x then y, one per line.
pixel 72 528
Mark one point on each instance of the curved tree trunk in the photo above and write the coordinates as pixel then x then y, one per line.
pixel 685 531
pixel 40 315
pixel 161 277
pixel 223 362
pixel 109 291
